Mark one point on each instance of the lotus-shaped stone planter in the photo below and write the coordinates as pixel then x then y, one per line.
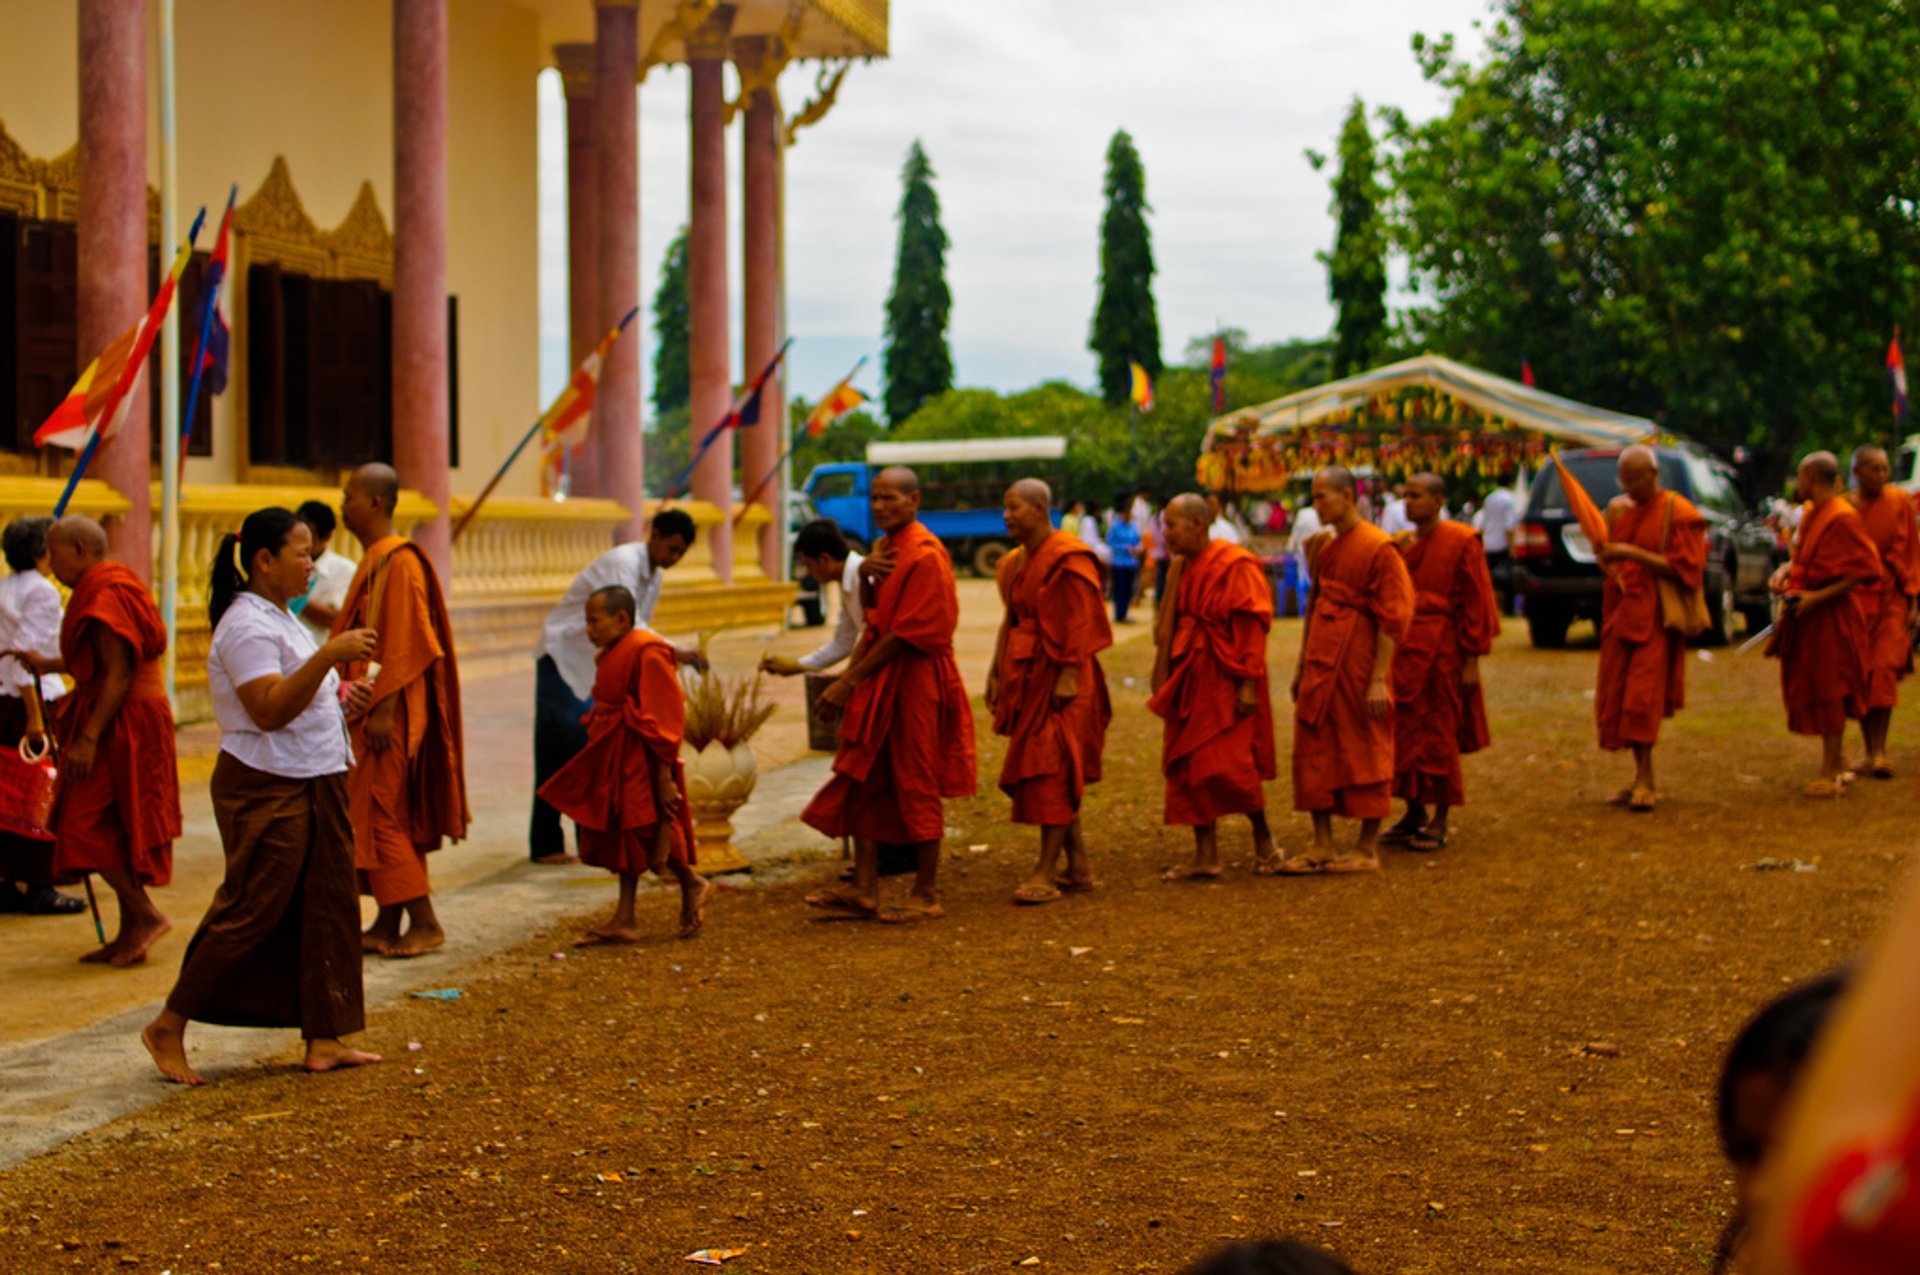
pixel 719 781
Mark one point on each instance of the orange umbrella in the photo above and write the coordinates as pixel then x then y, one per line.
pixel 1585 512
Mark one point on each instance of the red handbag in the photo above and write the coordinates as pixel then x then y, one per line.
pixel 27 775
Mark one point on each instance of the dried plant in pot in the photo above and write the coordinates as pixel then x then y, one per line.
pixel 723 715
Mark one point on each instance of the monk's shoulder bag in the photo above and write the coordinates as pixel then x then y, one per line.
pixel 1682 610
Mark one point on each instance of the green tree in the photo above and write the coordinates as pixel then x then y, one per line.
pixel 845 440
pixel 916 360
pixel 1126 327
pixel 668 447
pixel 672 362
pixel 1357 266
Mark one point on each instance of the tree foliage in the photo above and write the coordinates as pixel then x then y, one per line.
pixel 916 361
pixel 668 445
pixel 1126 326
pixel 1701 213
pixel 1357 266
pixel 672 360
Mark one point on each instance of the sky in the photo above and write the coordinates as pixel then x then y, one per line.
pixel 1015 102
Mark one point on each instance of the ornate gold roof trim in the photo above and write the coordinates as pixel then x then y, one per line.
pixel 275 227
pixel 826 90
pixel 49 189
pixel 864 20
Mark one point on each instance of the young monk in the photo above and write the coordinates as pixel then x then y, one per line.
pixel 408 783
pixel 1652 535
pixel 626 790
pixel 1046 691
pixel 1210 687
pixel 1892 610
pixel 117 800
pixel 1438 710
pixel 1820 638
pixel 1357 613
pixel 906 737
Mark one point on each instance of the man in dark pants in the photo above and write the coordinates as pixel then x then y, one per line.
pixel 563 676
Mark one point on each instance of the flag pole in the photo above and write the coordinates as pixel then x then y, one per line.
pixel 792 442
pixel 169 362
pixel 208 304
pixel 713 435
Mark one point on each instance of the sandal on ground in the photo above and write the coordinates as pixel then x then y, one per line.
pixel 1268 865
pixel 1622 799
pixel 911 913
pixel 1427 842
pixel 1033 895
pixel 1880 768
pixel 835 901
pixel 1400 832
pixel 1643 802
pixel 1300 866
pixel 1824 788
pixel 1350 867
pixel 1067 885
pixel 48 901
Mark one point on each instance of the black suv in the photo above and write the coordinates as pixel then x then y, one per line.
pixel 1554 571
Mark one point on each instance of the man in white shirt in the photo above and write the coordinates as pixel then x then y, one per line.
pixel 1499 516
pixel 1222 527
pixel 332 574
pixel 29 621
pixel 823 552
pixel 564 660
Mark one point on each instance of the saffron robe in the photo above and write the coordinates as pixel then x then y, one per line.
pixel 638 720
pixel 125 814
pixel 1823 654
pixel 1889 522
pixel 1435 718
pixel 1342 755
pixel 1214 759
pixel 405 800
pixel 1055 620
pixel 906 736
pixel 1643 670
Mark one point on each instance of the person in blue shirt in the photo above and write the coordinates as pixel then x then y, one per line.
pixel 1123 541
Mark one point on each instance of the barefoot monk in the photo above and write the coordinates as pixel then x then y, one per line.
pixel 1047 693
pixel 408 783
pixel 1210 687
pixel 1890 609
pixel 1357 612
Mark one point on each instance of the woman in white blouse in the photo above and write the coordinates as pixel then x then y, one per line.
pixel 280 945
pixel 29 621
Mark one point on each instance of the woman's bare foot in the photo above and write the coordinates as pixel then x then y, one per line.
pixel 693 909
pixel 331 1055
pixel 168 1046
pixel 136 938
pixel 417 941
pixel 608 933
pixel 103 954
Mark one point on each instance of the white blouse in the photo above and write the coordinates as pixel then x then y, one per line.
pixel 257 639
pixel 29 621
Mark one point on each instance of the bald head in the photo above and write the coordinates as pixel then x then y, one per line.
pixel 1426 494
pixel 1336 477
pixel 1871 470
pixel 1333 498
pixel 367 502
pixel 1187 521
pixel 902 479
pixel 75 544
pixel 1639 472
pixel 1033 492
pixel 1428 485
pixel 83 532
pixel 894 498
pixel 1027 508
pixel 1819 475
pixel 380 484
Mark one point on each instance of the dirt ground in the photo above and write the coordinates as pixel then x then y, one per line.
pixel 1394 1067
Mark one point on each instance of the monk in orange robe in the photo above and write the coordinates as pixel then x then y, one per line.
pixel 1652 535
pixel 1438 710
pixel 906 735
pixel 1821 636
pixel 1357 612
pixel 1210 687
pixel 1046 691
pixel 117 800
pixel 408 787
pixel 1891 610
pixel 626 790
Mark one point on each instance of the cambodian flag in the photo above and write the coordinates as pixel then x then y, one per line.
pixel 216 336
pixel 1897 373
pixel 1217 373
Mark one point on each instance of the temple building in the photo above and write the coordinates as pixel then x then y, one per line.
pixel 384 269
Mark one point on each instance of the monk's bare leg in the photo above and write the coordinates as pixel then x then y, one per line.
pixel 1365 855
pixel 1875 726
pixel 1206 856
pixel 694 892
pixel 141 923
pixel 1317 858
pixel 925 899
pixel 166 1039
pixel 385 930
pixel 423 930
pixel 329 1054
pixel 1434 835
pixel 623 925
pixel 1079 870
pixel 1832 763
pixel 1410 823
pixel 1643 794
pixel 1266 859
pixel 1039 886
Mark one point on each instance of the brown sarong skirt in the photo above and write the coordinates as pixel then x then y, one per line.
pixel 280 945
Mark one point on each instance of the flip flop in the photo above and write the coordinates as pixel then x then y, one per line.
pixel 1300 866
pixel 1880 768
pixel 1640 805
pixel 1034 895
pixel 1824 789
pixel 1350 867
pixel 1623 798
pixel 1400 832
pixel 904 914
pixel 834 901
pixel 1270 866
pixel 1188 874
pixel 1426 843
pixel 1067 885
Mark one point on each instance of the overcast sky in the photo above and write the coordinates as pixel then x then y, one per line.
pixel 1015 102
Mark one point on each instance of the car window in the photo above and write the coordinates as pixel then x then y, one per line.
pixel 832 486
pixel 1710 490
pixel 1599 473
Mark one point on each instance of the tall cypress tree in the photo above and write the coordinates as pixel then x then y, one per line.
pixel 917 363
pixel 672 362
pixel 1126 327
pixel 1357 267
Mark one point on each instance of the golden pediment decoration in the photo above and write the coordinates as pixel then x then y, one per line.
pixel 274 227
pixel 362 245
pixel 49 189
pixel 686 19
pixel 22 179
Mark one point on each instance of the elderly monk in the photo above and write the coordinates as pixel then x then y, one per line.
pixel 408 786
pixel 1438 711
pixel 1891 610
pixel 117 801
pixel 1652 535
pixel 1821 636
pixel 906 737
pixel 1210 686
pixel 1357 612
pixel 1046 690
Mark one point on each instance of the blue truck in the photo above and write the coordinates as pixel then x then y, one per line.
pixel 962 485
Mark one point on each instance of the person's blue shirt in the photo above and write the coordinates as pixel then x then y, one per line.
pixel 1124 539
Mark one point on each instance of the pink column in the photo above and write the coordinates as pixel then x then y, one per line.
pixel 712 386
pixel 583 248
pixel 761 444
pixel 112 242
pixel 420 392
pixel 616 142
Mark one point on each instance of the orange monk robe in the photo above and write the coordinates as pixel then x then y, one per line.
pixel 1342 755
pixel 405 800
pixel 125 815
pixel 639 718
pixel 1643 669
pixel 1823 654
pixel 1889 522
pixel 1214 759
pixel 1056 620
pixel 1435 719
pixel 906 737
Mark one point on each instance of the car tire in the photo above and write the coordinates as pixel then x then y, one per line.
pixel 1547 625
pixel 986 557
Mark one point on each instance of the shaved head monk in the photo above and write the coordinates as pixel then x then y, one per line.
pixel 906 734
pixel 1046 690
pixel 408 787
pixel 1210 687
pixel 1892 609
pixel 1357 612
pixel 1820 638
pixel 117 800
pixel 1438 711
pixel 1652 535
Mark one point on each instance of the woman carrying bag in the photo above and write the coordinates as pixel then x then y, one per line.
pixel 280 945
pixel 29 621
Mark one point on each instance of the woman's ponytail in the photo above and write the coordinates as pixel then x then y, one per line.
pixel 227 580
pixel 266 529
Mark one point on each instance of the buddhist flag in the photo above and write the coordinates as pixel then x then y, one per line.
pixel 98 402
pixel 1897 374
pixel 1585 512
pixel 216 330
pixel 563 426
pixel 1142 388
pixel 843 399
pixel 1217 373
